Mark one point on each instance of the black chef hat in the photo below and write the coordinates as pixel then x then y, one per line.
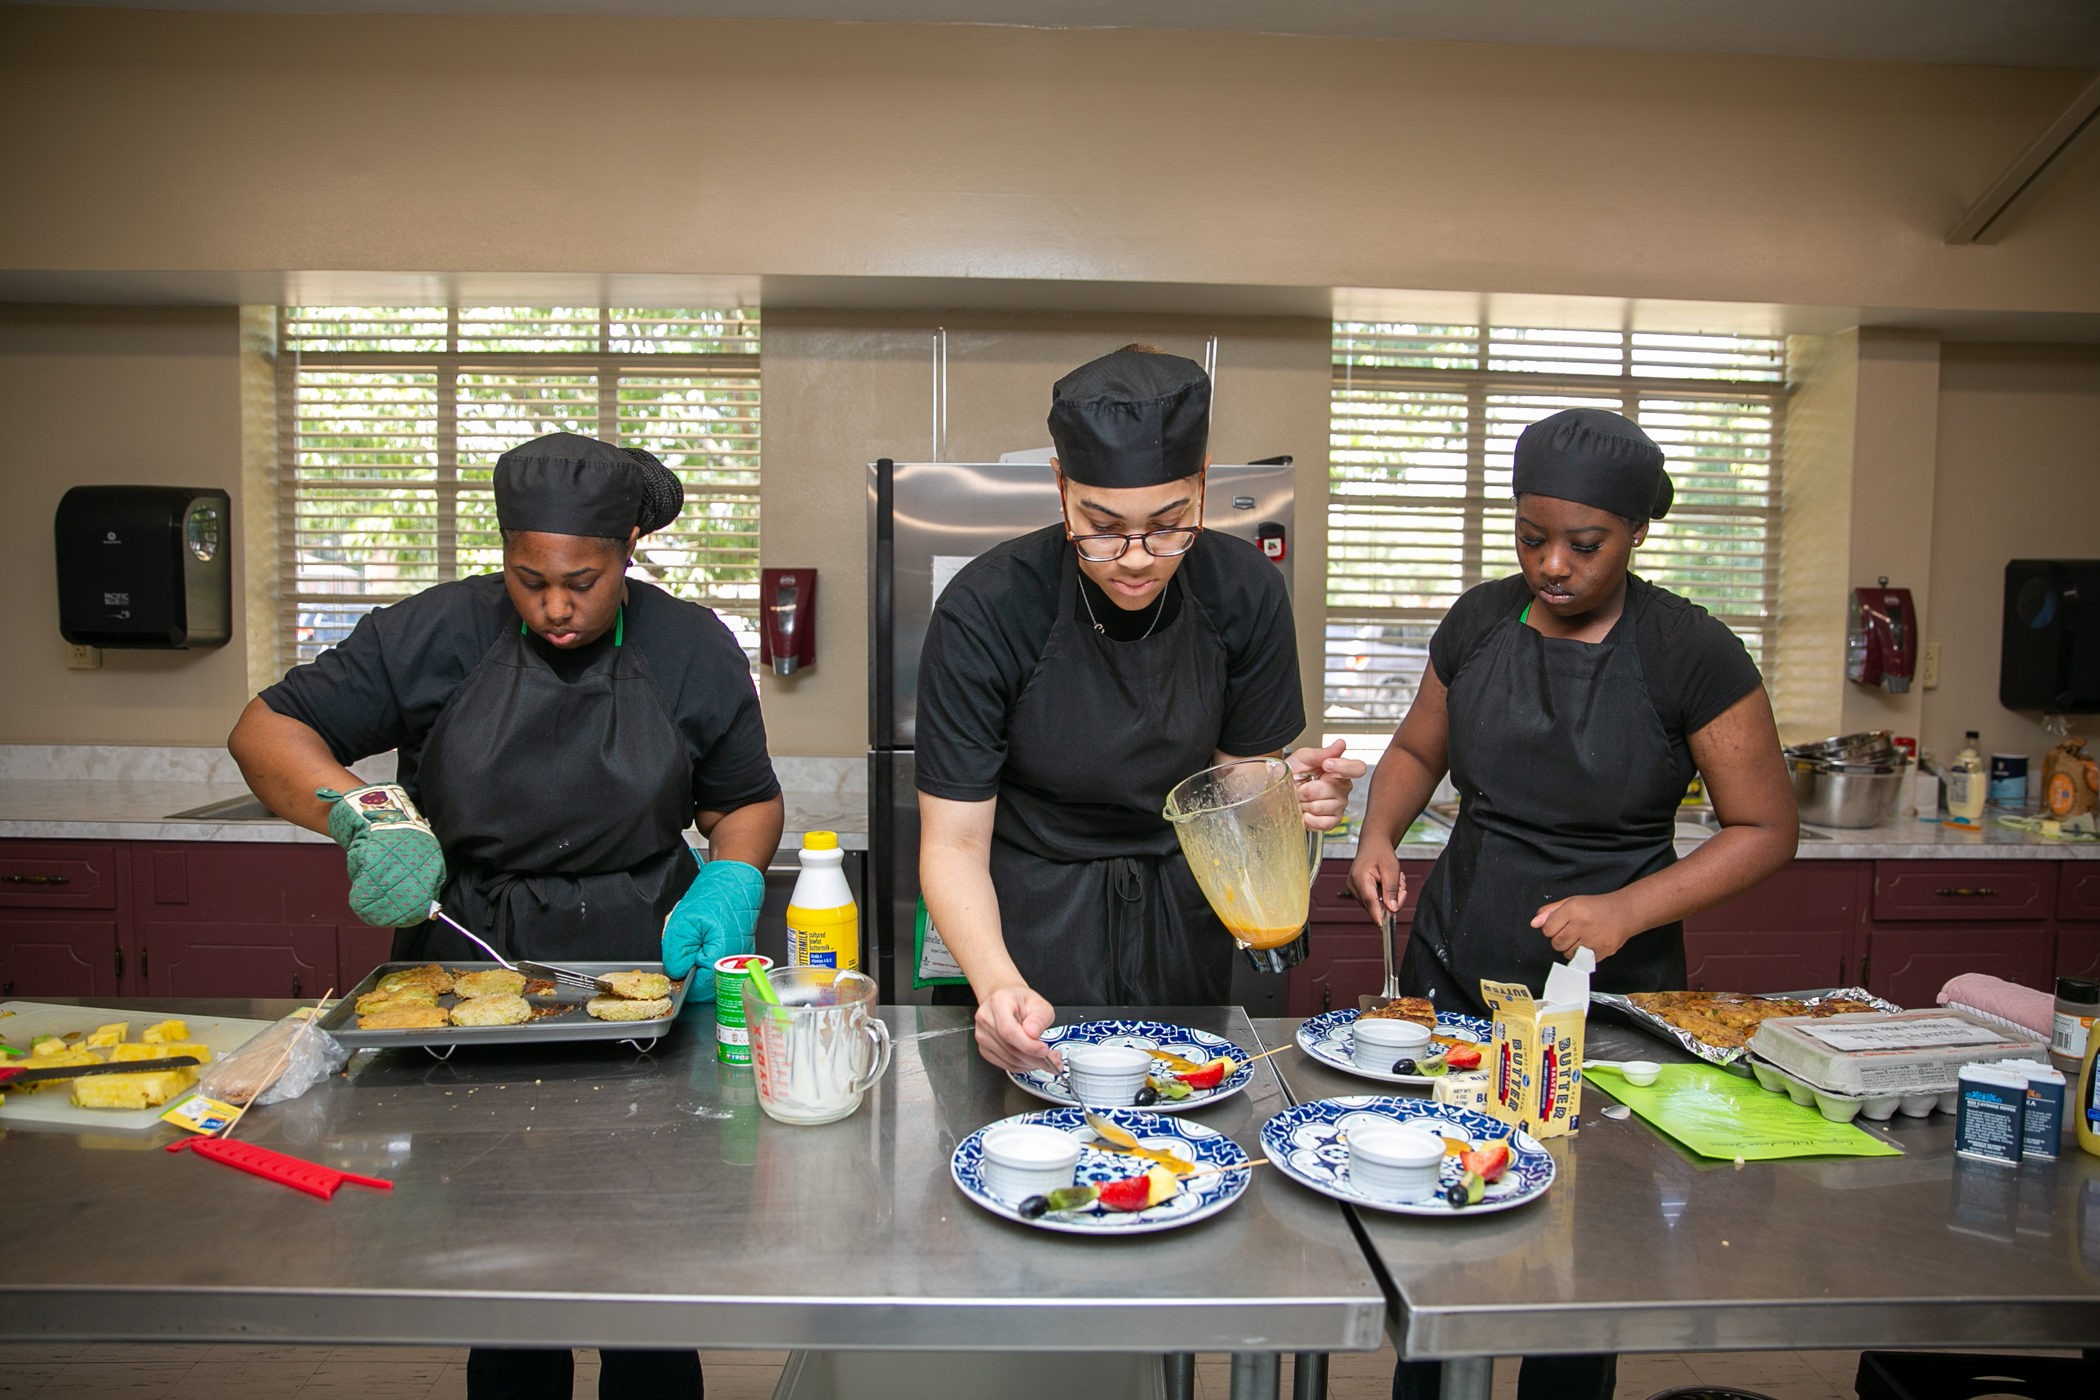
pixel 1134 418
pixel 1596 458
pixel 567 484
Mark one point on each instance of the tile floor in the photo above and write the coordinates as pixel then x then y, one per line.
pixel 163 1371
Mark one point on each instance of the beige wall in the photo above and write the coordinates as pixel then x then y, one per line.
pixel 114 395
pixel 171 141
pixel 2019 460
pixel 843 388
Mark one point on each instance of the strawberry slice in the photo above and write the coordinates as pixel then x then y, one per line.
pixel 1463 1057
pixel 1210 1075
pixel 1137 1192
pixel 1488 1162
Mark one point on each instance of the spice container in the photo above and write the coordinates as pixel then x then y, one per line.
pixel 2077 1006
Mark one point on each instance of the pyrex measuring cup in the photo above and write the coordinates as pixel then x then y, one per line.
pixel 1244 837
pixel 818 1051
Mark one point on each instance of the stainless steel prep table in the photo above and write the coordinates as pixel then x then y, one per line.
pixel 586 1195
pixel 1642 1246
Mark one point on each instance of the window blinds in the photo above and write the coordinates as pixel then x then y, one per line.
pixel 1424 423
pixel 392 418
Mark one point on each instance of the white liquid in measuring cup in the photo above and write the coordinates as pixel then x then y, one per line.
pixel 817 1054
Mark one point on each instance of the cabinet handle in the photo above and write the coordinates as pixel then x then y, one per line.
pixel 1967 893
pixel 35 880
pixel 120 964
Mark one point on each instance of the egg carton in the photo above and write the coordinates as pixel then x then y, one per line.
pixel 1842 1107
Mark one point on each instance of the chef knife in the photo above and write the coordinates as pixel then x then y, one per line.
pixel 10 1075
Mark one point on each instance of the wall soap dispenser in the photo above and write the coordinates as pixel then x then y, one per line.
pixel 787 619
pixel 1881 639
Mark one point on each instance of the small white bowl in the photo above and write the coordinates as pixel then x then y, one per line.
pixel 1376 1044
pixel 1396 1163
pixel 1106 1076
pixel 1641 1073
pixel 1028 1159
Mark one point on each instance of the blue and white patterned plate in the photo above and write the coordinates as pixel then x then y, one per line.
pixel 1331 1040
pixel 1200 1197
pixel 1309 1144
pixel 1195 1045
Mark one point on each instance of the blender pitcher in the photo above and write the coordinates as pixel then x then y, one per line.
pixel 1245 839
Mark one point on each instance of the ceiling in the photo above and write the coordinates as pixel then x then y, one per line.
pixel 2019 33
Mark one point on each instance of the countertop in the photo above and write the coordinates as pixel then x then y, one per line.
pixel 587 1195
pixel 106 810
pixel 1907 839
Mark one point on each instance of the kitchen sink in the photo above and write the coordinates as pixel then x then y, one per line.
pixel 1697 825
pixel 232 809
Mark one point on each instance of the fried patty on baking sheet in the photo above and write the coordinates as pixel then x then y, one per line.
pixel 403 1018
pixel 495 1009
pixel 607 1008
pixel 429 975
pixel 490 982
pixel 638 985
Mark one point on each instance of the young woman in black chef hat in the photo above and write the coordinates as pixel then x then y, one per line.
pixel 561 725
pixel 1571 704
pixel 1069 679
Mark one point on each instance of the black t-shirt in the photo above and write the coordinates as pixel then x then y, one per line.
pixel 993 621
pixel 384 686
pixel 1693 665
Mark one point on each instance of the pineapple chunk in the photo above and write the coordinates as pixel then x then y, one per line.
pixel 111 1034
pixel 46 1045
pixel 59 1059
pixel 161 1051
pixel 148 1090
pixel 166 1030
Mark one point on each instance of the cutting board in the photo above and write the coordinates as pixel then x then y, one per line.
pixel 22 1020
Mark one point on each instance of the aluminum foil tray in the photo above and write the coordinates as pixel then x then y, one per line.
pixel 573 1024
pixel 1733 1057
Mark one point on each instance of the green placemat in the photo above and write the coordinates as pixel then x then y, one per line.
pixel 1718 1114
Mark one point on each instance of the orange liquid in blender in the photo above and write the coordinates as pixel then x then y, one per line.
pixel 1264 937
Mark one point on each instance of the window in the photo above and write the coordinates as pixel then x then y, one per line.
pixel 392 418
pixel 1424 422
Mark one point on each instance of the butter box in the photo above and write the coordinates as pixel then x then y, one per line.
pixel 1534 1063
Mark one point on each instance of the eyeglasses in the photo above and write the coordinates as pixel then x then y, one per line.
pixel 1160 544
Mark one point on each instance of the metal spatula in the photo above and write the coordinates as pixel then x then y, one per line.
pixel 1392 980
pixel 563 976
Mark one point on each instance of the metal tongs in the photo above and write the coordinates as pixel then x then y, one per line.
pixel 1392 980
pixel 562 976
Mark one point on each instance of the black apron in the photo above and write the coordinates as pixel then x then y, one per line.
pixel 560 806
pixel 1096 899
pixel 1567 785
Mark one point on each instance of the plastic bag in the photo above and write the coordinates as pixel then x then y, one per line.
pixel 280 1064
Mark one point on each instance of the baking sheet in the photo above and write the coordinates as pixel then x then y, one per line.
pixel 1730 1057
pixel 576 1024
pixel 20 1020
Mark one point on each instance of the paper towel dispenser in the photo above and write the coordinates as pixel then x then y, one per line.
pixel 2049 645
pixel 145 567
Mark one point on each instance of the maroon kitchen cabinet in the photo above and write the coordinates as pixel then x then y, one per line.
pixel 2078 920
pixel 1344 961
pixel 179 918
pixel 1798 930
pixel 1910 965
pixel 1970 891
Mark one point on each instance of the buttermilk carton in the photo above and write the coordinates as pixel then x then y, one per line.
pixel 1534 1063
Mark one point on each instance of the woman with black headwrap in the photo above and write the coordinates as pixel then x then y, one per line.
pixel 561 724
pixel 1572 704
pixel 1069 679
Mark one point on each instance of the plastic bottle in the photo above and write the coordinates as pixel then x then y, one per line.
pixel 823 924
pixel 2088 1110
pixel 2077 1007
pixel 1967 779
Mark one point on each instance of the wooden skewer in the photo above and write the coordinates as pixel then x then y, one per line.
pixel 284 1062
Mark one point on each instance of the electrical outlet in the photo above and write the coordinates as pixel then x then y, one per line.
pixel 1929 667
pixel 83 658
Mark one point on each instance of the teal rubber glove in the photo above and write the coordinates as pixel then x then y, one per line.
pixel 396 865
pixel 717 918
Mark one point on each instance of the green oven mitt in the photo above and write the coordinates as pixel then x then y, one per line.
pixel 396 866
pixel 717 917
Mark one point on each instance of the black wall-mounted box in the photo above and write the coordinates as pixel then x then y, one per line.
pixel 2049 648
pixel 145 567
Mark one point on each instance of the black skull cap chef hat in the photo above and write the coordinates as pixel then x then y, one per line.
pixel 568 484
pixel 1596 458
pixel 1133 418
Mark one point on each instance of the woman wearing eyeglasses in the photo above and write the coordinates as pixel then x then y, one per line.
pixel 1069 679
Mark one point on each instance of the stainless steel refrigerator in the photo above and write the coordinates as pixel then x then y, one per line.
pixel 925 521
